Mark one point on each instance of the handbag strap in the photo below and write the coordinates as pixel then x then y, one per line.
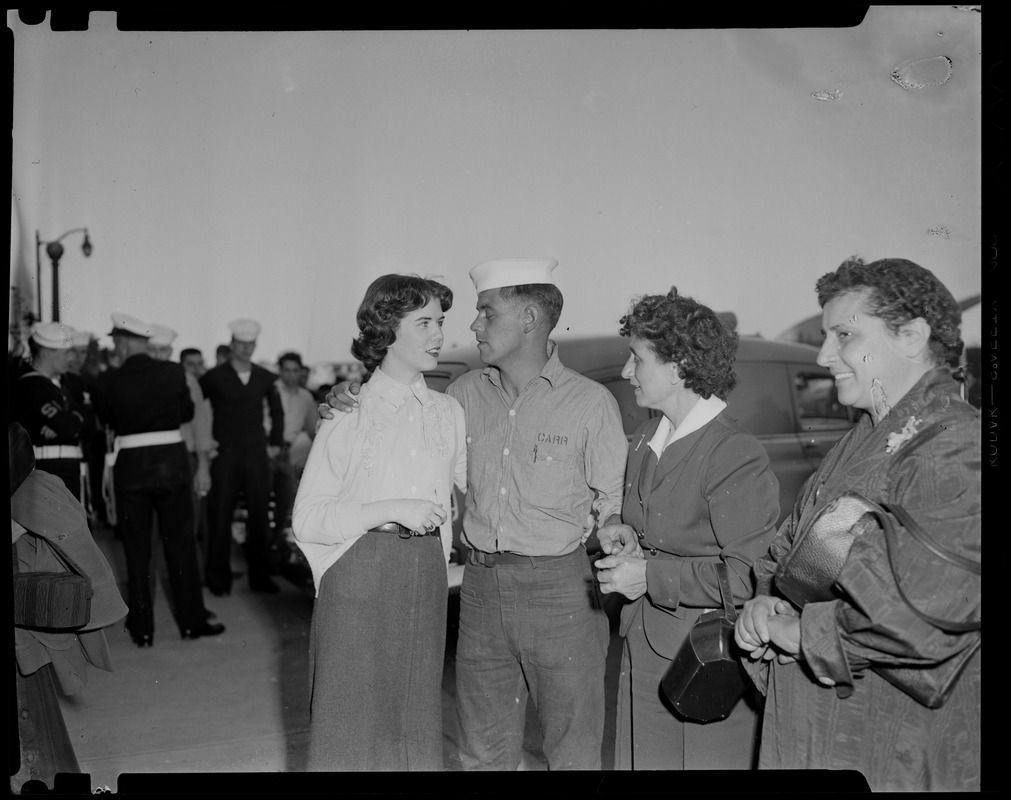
pixel 726 592
pixel 884 514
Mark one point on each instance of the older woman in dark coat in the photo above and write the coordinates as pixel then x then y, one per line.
pixel 699 491
pixel 839 673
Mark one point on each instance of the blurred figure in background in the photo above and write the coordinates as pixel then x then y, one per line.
pixel 80 386
pixel 299 429
pixel 222 354
pixel 44 409
pixel 237 391
pixel 199 443
pixel 193 362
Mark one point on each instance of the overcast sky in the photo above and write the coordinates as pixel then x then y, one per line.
pixel 274 175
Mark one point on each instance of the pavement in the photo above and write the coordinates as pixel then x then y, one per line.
pixel 232 707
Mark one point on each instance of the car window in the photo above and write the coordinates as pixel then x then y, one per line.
pixel 632 415
pixel 761 401
pixel 818 404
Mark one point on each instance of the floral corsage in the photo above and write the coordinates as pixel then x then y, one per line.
pixel 898 438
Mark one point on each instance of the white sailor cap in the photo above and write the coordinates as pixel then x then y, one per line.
pixel 244 330
pixel 501 272
pixel 161 336
pixel 80 338
pixel 53 335
pixel 125 325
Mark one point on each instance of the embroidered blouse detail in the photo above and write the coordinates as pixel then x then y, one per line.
pixel 373 441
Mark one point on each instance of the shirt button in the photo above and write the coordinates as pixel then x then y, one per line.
pixel 652 551
pixel 502 490
pixel 414 489
pixel 512 412
pixel 640 534
pixel 548 458
pixel 505 452
pixel 414 452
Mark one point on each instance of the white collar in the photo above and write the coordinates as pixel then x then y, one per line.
pixel 702 413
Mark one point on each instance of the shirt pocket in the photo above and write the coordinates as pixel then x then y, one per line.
pixel 546 478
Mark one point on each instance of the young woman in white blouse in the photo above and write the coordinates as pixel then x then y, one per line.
pixel 372 516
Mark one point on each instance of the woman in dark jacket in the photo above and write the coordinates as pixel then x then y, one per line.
pixel 840 673
pixel 699 491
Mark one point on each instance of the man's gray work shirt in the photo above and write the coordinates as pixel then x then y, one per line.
pixel 536 467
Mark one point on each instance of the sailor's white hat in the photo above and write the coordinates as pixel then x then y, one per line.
pixel 501 272
pixel 161 336
pixel 244 330
pixel 53 335
pixel 125 325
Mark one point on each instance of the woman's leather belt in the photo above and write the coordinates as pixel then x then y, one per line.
pixel 402 531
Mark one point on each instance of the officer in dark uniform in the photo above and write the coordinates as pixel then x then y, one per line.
pixel 145 401
pixel 43 408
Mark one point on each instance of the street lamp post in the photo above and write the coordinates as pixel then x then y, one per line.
pixel 55 252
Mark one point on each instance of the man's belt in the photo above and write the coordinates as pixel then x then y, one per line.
pixel 479 558
pixel 50 451
pixel 401 530
pixel 148 439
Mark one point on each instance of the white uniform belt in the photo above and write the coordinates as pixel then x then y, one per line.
pixel 148 439
pixel 57 451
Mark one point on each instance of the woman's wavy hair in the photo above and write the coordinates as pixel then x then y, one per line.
pixel 388 300
pixel 898 291
pixel 687 333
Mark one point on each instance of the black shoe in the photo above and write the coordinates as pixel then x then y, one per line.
pixel 209 615
pixel 143 639
pixel 220 592
pixel 207 629
pixel 265 586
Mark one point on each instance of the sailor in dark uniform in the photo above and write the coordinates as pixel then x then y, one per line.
pixel 145 401
pixel 239 390
pixel 43 408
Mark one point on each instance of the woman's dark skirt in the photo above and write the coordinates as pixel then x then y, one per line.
pixel 376 652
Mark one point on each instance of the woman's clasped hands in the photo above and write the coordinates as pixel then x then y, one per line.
pixel 623 567
pixel 767 628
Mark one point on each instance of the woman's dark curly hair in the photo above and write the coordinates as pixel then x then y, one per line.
pixel 388 300
pixel 689 334
pixel 899 291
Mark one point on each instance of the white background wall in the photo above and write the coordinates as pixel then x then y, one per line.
pixel 274 175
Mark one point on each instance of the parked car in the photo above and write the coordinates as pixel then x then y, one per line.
pixel 782 396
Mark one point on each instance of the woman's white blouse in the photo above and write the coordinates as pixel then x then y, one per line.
pixel 402 442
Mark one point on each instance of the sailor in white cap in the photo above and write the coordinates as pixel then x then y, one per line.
pixel 45 410
pixel 145 401
pixel 160 342
pixel 237 390
pixel 546 446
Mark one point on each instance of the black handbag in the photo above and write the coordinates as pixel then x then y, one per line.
pixel 814 563
pixel 706 678
pixel 58 601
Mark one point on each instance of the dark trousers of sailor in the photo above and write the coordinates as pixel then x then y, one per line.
pixel 155 482
pixel 235 470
